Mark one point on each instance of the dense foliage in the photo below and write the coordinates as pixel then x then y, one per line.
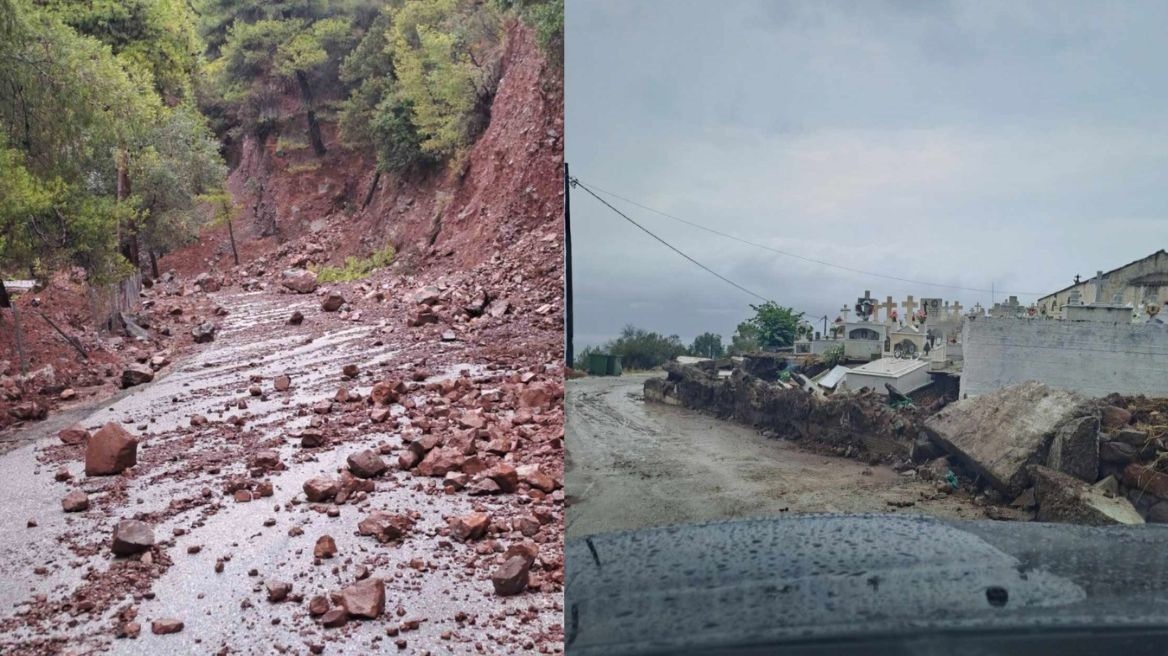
pixel 777 325
pixel 103 152
pixel 638 349
pixel 708 345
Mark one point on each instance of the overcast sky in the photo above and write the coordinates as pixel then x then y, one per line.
pixel 968 143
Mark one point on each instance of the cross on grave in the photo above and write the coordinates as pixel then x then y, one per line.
pixel 947 311
pixel 908 306
pixel 889 306
pixel 861 303
pixel 957 308
pixel 844 310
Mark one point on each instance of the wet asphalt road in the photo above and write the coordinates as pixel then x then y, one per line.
pixel 230 609
pixel 632 464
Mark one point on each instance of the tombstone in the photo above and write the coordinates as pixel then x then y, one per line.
pixel 932 309
pixel 865 307
pixel 889 310
pixel 908 306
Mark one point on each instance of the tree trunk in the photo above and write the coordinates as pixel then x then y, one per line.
pixel 19 335
pixel 153 264
pixel 372 188
pixel 313 127
pixel 5 300
pixel 231 235
pixel 129 239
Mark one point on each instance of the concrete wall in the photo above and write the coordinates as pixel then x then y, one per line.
pixel 1094 359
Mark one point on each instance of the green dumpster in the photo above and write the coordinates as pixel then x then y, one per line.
pixel 602 364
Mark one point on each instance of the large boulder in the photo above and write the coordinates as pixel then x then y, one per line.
pixel 136 374
pixel 999 434
pixel 366 464
pixel 110 450
pixel 301 281
pixel 1063 498
pixel 332 302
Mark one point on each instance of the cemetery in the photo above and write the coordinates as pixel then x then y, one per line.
pixel 1056 412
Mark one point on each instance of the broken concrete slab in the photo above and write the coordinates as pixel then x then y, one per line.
pixel 1064 498
pixel 999 434
pixel 1075 449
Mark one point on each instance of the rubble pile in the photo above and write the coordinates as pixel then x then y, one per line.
pixel 1061 457
pixel 860 424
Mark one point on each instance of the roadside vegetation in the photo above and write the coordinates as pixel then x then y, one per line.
pixel 772 327
pixel 356 268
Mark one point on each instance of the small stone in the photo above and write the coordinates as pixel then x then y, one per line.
pixel 366 464
pixel 325 547
pixel 332 302
pixel 350 370
pixel 198 420
pixel 334 618
pixel 75 501
pixel 278 591
pixel 165 626
pixel 296 319
pixel 281 383
pixel 470 527
pixel 511 577
pixel 132 536
pixel 364 598
pixel 75 434
pixel 321 488
pixel 318 605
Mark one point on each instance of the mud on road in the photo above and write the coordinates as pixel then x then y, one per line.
pixel 631 464
pixel 64 592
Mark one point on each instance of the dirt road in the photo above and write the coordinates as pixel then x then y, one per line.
pixel 65 593
pixel 631 464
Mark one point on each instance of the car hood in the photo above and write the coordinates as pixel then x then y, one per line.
pixel 772 581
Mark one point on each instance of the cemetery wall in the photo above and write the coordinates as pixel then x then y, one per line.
pixel 1091 358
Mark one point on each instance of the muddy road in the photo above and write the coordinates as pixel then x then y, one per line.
pixel 64 591
pixel 632 464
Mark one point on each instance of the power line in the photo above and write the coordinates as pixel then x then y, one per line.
pixel 796 256
pixel 576 182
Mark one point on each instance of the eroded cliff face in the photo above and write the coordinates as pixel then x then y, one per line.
pixel 509 183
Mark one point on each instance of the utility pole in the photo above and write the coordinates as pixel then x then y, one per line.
pixel 568 359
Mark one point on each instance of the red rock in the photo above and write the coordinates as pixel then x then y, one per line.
pixel 164 626
pixel 350 370
pixel 264 489
pixel 132 536
pixel 332 302
pixel 511 577
pixel 1147 479
pixel 296 319
pixel 325 547
pixel 470 527
pixel 281 383
pixel 68 393
pixel 366 464
pixel 321 488
pixel 420 316
pixel 278 591
pixel 535 396
pixel 334 618
pixel 364 598
pixel 242 496
pixel 1114 417
pixel 504 475
pixel 378 415
pixel 75 501
pixel 482 486
pixel 534 476
pixel 300 281
pixel 318 605
pixel 75 434
pixel 198 420
pixel 311 438
pixel 471 420
pixel 110 450
pixel 407 459
pixel 136 374
pixel 387 392
pixel 440 461
pixel 265 459
pixel 386 527
pixel 63 474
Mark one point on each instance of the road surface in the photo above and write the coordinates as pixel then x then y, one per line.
pixel 52 562
pixel 632 464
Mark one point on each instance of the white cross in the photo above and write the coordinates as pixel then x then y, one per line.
pixel 889 305
pixel 908 306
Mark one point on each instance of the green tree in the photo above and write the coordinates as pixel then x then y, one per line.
pixel 642 349
pixel 707 345
pixel 744 339
pixel 776 324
